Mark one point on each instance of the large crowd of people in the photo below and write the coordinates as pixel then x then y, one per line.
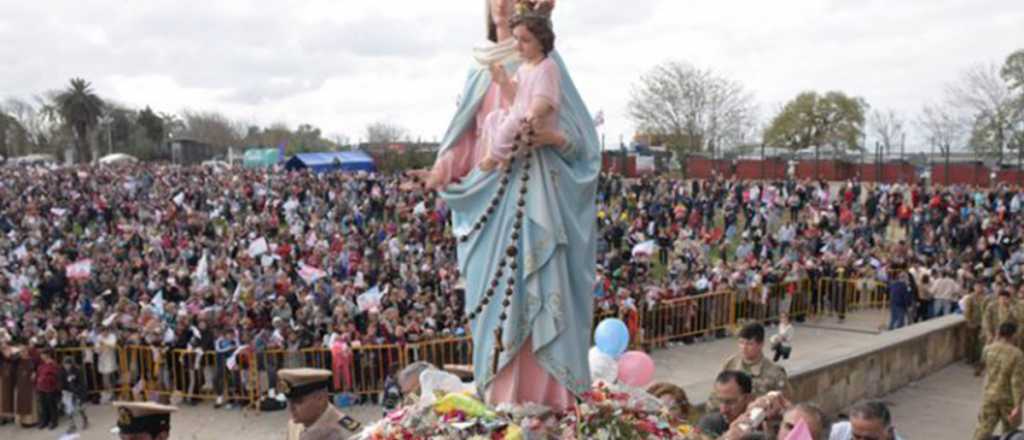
pixel 239 262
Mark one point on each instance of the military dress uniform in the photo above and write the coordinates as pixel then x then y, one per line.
pixel 1004 384
pixel 143 418
pixel 332 424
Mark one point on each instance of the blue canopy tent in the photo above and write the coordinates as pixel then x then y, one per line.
pixel 332 161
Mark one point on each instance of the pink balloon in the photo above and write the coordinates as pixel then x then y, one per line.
pixel 636 369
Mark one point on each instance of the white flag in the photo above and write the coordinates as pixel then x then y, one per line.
pixel 646 248
pixel 201 275
pixel 20 253
pixel 258 247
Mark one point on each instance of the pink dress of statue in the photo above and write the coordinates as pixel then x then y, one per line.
pixel 537 82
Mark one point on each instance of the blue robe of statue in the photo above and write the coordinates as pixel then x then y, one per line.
pixel 553 301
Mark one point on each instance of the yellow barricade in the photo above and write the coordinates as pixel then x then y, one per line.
pixel 88 361
pixel 154 373
pixel 167 375
pixel 693 316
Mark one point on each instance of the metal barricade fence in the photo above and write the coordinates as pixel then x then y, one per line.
pixel 800 298
pixel 88 361
pixel 688 317
pixel 869 294
pixel 839 296
pixel 170 375
pixel 444 352
pixel 157 373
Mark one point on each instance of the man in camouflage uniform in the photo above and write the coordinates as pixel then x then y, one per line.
pixel 1020 316
pixel 999 311
pixel 1004 384
pixel 974 308
pixel 765 374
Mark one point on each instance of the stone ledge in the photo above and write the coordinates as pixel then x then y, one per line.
pixel 888 340
pixel 893 359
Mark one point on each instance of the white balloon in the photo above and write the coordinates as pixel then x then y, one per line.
pixel 602 366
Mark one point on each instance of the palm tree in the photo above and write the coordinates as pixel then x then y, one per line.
pixel 80 109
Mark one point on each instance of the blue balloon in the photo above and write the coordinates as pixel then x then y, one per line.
pixel 612 337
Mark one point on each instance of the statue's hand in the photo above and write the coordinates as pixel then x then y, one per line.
pixel 549 137
pixel 501 11
pixel 499 75
pixel 425 178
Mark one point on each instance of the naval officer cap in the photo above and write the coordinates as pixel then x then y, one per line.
pixel 143 417
pixel 295 383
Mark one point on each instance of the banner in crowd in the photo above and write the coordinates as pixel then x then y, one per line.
pixel 310 274
pixel 369 299
pixel 81 269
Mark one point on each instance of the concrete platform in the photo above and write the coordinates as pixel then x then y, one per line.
pixel 943 406
pixel 695 366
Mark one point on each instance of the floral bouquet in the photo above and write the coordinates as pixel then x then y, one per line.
pixel 604 412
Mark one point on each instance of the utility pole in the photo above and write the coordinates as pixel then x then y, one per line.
pixel 878 162
pixel 762 160
pixel 903 145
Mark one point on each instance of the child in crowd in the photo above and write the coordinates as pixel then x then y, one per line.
pixel 781 343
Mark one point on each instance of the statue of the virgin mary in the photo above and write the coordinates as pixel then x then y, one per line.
pixel 546 332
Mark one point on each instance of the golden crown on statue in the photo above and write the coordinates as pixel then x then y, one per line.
pixel 541 8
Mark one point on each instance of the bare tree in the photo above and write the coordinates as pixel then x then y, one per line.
pixel 690 109
pixel 211 127
pixel 24 117
pixel 888 128
pixel 384 133
pixel 341 140
pixel 988 99
pixel 945 128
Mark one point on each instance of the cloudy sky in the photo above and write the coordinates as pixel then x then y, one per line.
pixel 342 64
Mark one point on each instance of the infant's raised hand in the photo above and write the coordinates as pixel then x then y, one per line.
pixel 499 75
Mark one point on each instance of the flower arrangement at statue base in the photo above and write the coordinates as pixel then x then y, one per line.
pixel 604 412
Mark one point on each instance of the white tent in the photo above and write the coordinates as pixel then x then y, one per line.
pixel 34 158
pixel 116 158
